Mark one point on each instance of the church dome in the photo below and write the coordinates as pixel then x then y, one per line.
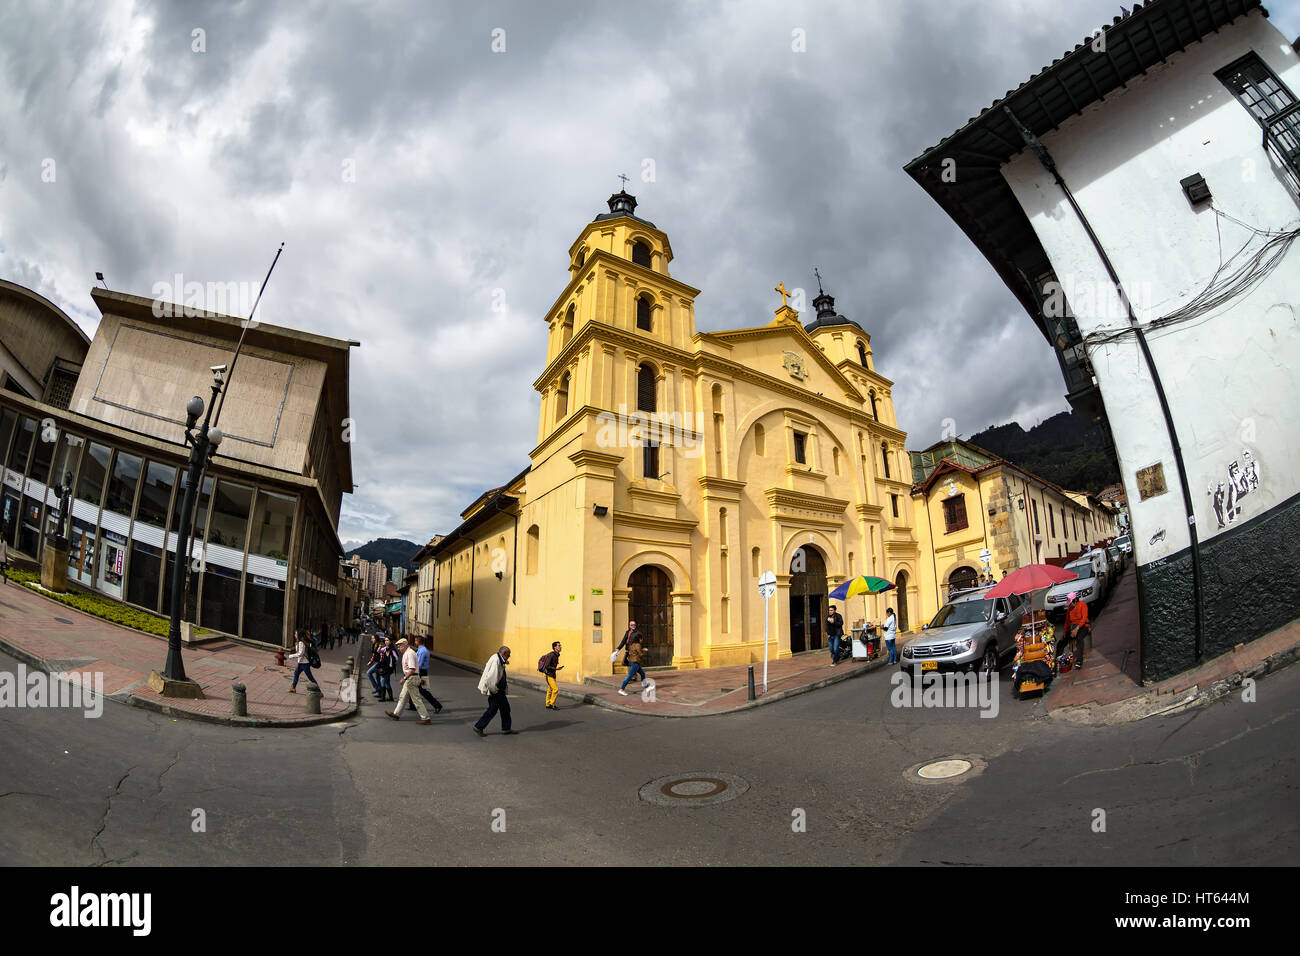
pixel 825 306
pixel 623 203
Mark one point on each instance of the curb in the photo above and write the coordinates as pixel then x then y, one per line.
pixel 131 700
pixel 597 701
pixel 1153 703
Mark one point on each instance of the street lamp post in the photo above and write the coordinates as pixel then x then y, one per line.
pixel 202 446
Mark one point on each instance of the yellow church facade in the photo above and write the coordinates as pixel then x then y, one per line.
pixel 672 468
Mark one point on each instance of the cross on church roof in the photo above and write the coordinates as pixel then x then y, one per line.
pixel 780 287
pixel 623 176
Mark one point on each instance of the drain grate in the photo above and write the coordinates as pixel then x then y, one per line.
pixel 700 788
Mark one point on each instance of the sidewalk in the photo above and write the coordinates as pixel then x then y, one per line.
pixel 704 692
pixel 1106 689
pixel 54 637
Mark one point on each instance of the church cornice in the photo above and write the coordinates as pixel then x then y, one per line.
pixel 681 525
pixel 789 498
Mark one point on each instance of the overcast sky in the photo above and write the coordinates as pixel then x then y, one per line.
pixel 412 170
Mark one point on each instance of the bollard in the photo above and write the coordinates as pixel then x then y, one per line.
pixel 313 698
pixel 347 668
pixel 751 681
pixel 239 700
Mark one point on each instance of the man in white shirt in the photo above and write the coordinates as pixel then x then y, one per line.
pixel 410 684
pixel 891 632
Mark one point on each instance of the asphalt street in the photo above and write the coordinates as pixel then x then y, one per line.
pixel 827 773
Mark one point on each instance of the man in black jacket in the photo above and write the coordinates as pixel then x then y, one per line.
pixel 835 631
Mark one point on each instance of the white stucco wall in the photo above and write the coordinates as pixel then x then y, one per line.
pixel 1232 377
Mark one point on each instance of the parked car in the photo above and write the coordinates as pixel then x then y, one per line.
pixel 1118 558
pixel 970 632
pixel 1125 543
pixel 1104 568
pixel 1090 587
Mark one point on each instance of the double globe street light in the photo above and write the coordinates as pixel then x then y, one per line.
pixel 203 445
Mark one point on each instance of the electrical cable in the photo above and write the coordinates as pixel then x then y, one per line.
pixel 1217 292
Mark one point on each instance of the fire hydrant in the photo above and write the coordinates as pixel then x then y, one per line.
pixel 279 657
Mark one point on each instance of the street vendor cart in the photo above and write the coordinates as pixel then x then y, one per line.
pixel 1035 663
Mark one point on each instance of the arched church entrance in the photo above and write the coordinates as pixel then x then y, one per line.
pixel 651 605
pixel 900 609
pixel 807 599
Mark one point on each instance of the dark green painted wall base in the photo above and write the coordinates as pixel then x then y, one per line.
pixel 1250 585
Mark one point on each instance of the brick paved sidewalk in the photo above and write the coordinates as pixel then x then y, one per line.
pixel 700 693
pixel 1108 682
pixel 55 637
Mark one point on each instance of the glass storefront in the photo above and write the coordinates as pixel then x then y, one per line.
pixel 265 583
pixel 123 528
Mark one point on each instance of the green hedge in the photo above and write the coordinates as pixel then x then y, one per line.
pixel 101 606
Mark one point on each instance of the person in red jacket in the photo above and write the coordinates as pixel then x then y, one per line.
pixel 1076 626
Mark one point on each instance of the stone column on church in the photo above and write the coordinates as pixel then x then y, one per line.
pixel 684 650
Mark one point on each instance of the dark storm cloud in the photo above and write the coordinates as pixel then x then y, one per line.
pixel 428 189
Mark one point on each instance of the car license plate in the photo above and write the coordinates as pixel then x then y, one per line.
pixel 929 665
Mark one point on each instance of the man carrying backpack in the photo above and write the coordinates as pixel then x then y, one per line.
pixel 548 665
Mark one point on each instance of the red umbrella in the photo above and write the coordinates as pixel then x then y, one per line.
pixel 1032 577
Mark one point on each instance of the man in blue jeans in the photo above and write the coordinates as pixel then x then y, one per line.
pixel 835 632
pixel 891 634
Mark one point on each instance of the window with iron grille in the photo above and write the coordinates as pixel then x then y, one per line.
pixel 1036 528
pixel 1051 522
pixel 893 499
pixel 643 314
pixel 641 254
pixel 1274 108
pixel 801 448
pixel 954 513
pixel 59 391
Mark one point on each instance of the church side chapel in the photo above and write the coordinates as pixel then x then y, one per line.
pixel 672 468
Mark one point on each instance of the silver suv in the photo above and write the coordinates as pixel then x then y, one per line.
pixel 969 632
pixel 1089 586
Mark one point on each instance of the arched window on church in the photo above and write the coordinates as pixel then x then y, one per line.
pixel 582 258
pixel 760 441
pixel 562 399
pixel 645 388
pixel 643 312
pixel 641 253
pixel 534 542
pixel 862 354
pixel 568 327
pixel 755 558
pixel 835 457
pixel 874 412
pixel 884 456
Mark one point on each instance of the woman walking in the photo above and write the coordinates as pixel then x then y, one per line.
pixel 303 654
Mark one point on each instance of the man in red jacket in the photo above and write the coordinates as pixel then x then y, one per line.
pixel 1076 626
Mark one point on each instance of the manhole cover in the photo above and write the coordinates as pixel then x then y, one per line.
pixel 702 788
pixel 943 769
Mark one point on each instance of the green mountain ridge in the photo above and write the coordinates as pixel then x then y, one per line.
pixel 394 552
pixel 1062 449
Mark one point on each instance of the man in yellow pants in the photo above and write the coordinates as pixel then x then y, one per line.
pixel 551 664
